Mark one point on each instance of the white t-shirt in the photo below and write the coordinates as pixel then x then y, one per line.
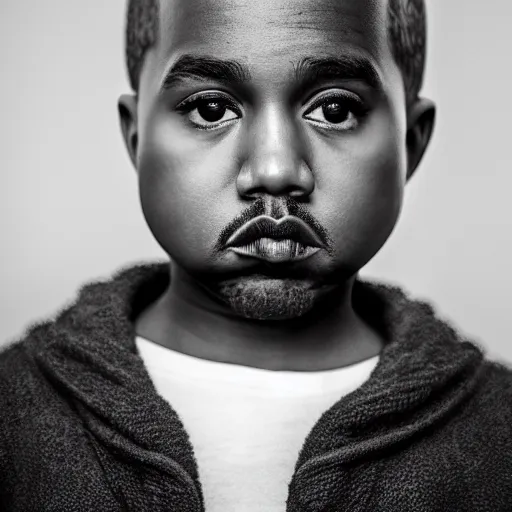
pixel 246 425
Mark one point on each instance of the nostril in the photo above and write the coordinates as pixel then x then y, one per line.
pixel 291 191
pixel 298 193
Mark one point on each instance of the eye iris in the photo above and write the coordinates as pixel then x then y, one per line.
pixel 211 111
pixel 335 112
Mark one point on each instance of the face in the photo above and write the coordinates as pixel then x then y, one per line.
pixel 270 144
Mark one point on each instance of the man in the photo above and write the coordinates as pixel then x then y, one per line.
pixel 272 141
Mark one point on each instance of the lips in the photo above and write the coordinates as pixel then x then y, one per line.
pixel 286 239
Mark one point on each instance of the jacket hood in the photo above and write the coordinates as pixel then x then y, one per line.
pixel 425 371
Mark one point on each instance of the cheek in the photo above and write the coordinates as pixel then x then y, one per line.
pixel 182 182
pixel 364 188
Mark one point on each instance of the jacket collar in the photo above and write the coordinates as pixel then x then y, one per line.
pixel 424 372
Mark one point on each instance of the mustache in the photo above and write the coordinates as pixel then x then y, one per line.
pixel 278 208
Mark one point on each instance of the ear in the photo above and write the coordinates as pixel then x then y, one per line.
pixel 127 107
pixel 421 116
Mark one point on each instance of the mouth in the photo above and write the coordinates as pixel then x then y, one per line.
pixel 285 240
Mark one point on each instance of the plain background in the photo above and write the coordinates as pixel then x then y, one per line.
pixel 69 202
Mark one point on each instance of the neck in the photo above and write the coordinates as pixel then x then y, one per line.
pixel 186 319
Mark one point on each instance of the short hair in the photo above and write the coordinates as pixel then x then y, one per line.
pixel 406 33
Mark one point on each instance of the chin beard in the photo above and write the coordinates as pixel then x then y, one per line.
pixel 263 298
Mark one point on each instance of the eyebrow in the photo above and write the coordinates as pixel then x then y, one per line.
pixel 205 69
pixel 310 70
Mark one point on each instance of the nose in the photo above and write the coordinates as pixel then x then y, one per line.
pixel 275 162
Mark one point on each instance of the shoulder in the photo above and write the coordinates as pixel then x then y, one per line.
pixel 479 445
pixel 42 438
pixel 21 392
pixel 488 408
pixel 28 398
pixel 22 384
pixel 16 368
pixel 463 462
pixel 479 440
pixel 495 391
pixel 35 416
pixel 488 416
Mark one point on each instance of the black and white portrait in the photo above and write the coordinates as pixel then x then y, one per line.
pixel 256 256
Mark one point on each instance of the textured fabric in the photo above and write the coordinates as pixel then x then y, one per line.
pixel 246 425
pixel 83 428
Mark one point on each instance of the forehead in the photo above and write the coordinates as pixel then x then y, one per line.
pixel 272 31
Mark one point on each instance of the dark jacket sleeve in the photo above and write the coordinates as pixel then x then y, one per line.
pixel 47 461
pixel 463 464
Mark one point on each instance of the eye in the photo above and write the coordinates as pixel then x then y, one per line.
pixel 209 112
pixel 340 112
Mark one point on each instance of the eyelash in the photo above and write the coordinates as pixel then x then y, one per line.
pixel 353 103
pixel 190 104
pixel 355 106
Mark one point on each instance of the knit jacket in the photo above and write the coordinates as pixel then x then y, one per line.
pixel 82 427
